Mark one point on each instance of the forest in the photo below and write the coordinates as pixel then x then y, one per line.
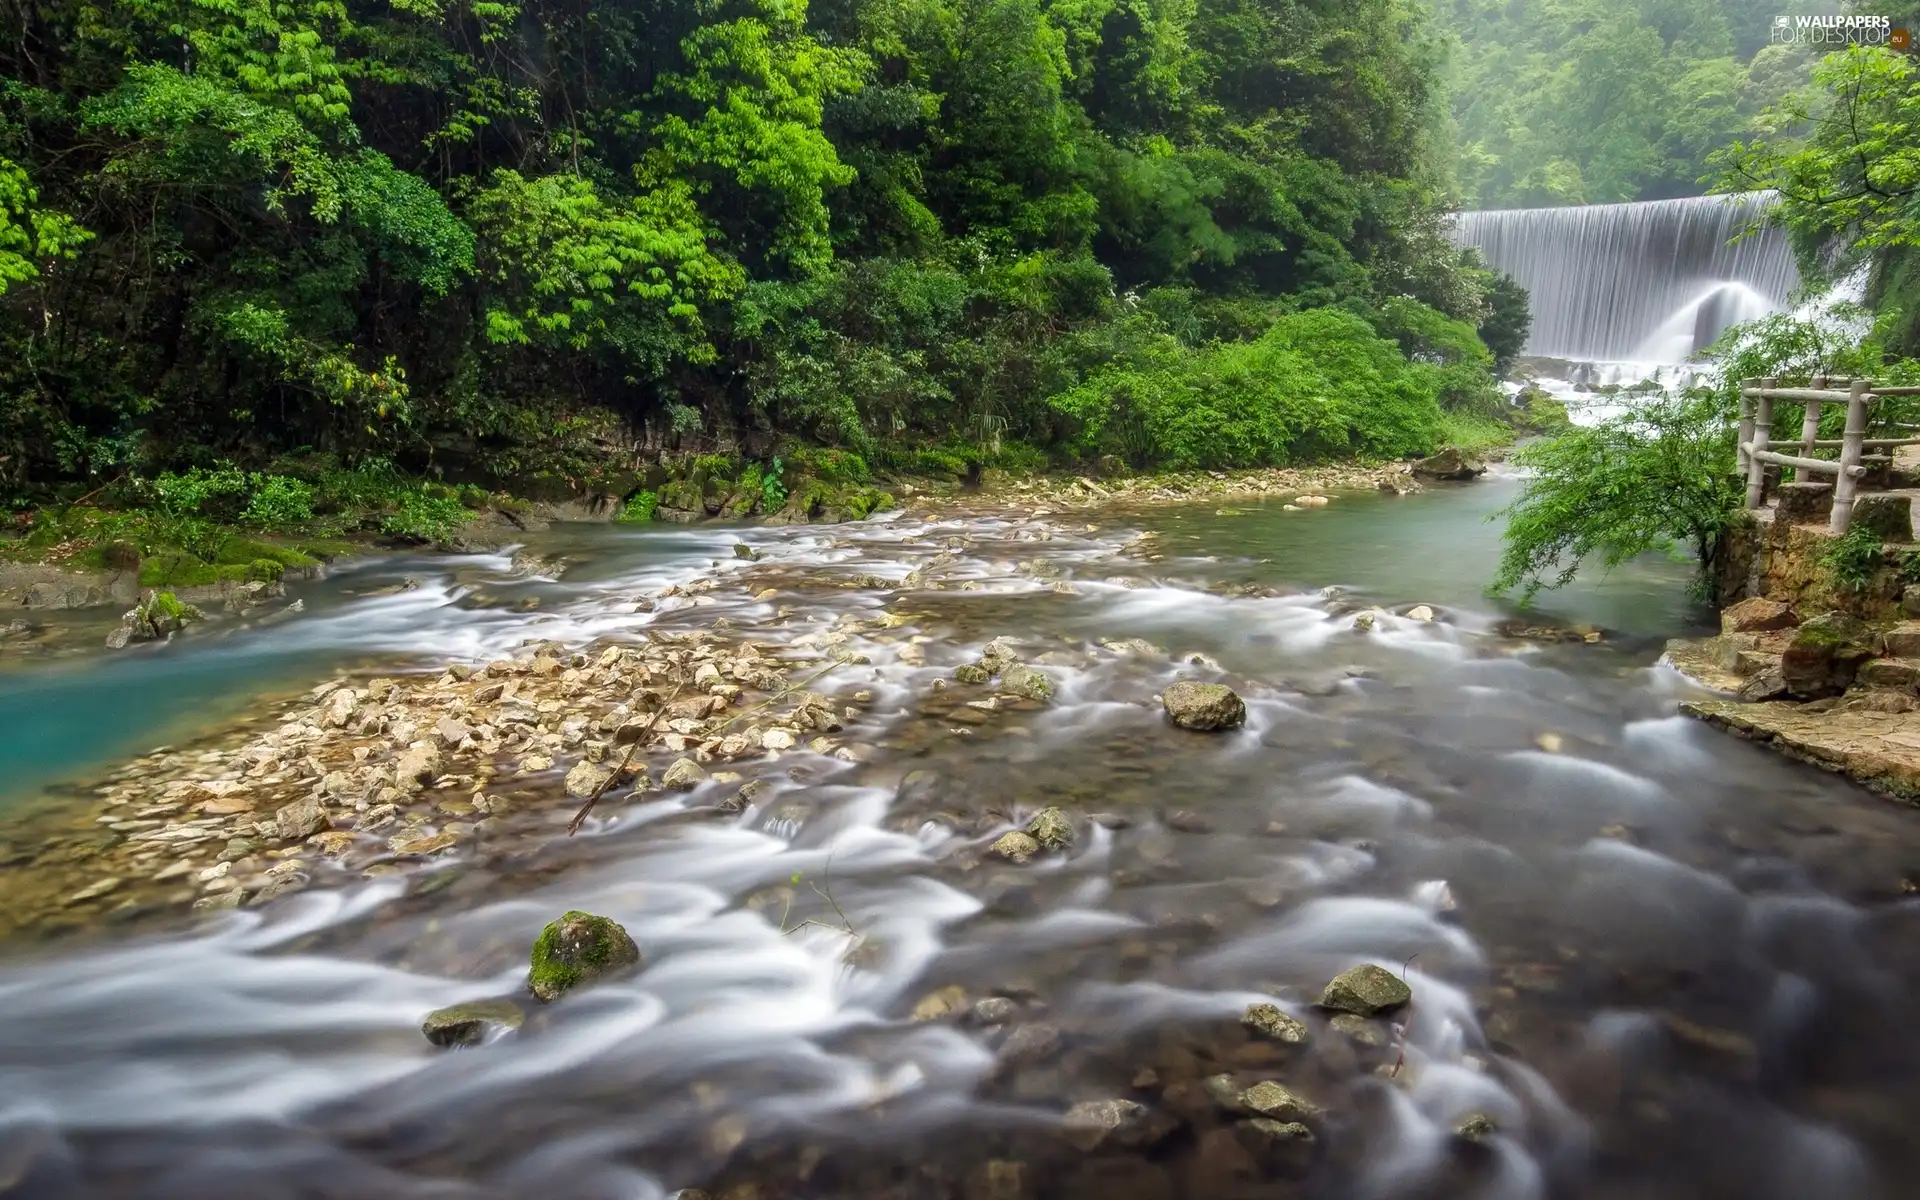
pixel 479 240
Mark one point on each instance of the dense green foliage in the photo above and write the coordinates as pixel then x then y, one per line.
pixel 496 238
pixel 1589 102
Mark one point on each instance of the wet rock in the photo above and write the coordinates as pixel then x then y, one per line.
pixel 992 1010
pixel 742 550
pixel 301 819
pixel 1092 1123
pixel 1203 706
pixel 1769 686
pixel 283 885
pixel 1364 622
pixel 1270 1022
pixel 1360 1029
pixel 1051 829
pixel 998 655
pixel 971 673
pixel 1026 682
pixel 1015 847
pixel 1285 1147
pixel 1134 646
pixel 418 764
pixel 1366 990
pixel 1476 1127
pixel 1274 1100
pixel 1825 654
pixel 419 845
pixel 1420 612
pixel 1449 463
pixel 587 778
pixel 940 1004
pixel 1757 614
pixel 576 950
pixel 683 776
pixel 1030 1043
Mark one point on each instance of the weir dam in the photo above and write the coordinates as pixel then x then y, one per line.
pixel 1648 282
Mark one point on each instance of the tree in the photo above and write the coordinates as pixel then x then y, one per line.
pixel 1657 475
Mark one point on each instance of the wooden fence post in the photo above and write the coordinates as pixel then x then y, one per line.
pixel 1762 426
pixel 1856 431
pixel 1746 423
pixel 1809 430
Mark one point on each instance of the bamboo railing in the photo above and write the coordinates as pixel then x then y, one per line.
pixel 1757 398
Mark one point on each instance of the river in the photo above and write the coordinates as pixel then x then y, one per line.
pixel 1660 962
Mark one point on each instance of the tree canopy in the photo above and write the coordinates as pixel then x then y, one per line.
pixel 468 230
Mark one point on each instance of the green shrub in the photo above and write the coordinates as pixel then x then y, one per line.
pixel 421 515
pixel 834 466
pixel 773 492
pixel 1318 384
pixel 201 492
pixel 638 508
pixel 1852 559
pixel 279 504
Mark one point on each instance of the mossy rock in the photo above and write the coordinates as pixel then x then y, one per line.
pixel 575 950
pixel 1051 829
pixel 1026 682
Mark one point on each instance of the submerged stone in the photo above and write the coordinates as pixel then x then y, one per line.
pixel 1203 706
pixel 1026 682
pixel 470 1024
pixel 1366 990
pixel 1271 1099
pixel 1051 829
pixel 1015 846
pixel 1270 1022
pixel 578 949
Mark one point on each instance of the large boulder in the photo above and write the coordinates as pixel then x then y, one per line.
pixel 1825 654
pixel 1026 682
pixel 578 949
pixel 1204 706
pixel 1903 640
pixel 1450 463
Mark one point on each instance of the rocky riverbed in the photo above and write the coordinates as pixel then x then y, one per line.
pixel 1011 855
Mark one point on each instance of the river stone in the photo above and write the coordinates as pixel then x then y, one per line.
pixel 469 1024
pixel 1825 654
pixel 1450 463
pixel 586 778
pixel 1757 614
pixel 1015 846
pixel 1026 682
pixel 1360 1029
pixel 1051 829
pixel 940 1003
pixel 1282 1145
pixel 1270 1099
pixel 1204 706
pixel 971 673
pixel 1476 1127
pixel 1092 1122
pixel 1366 990
pixel 1268 1021
pixel 1420 612
pixel 417 764
pixel 577 949
pixel 998 655
pixel 683 776
pixel 301 819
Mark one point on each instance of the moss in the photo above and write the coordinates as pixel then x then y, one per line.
pixel 165 606
pixel 834 466
pixel 247 552
pixel 682 494
pixel 178 569
pixel 864 502
pixel 639 508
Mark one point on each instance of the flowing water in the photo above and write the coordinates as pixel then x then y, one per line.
pixel 1663 963
pixel 1648 282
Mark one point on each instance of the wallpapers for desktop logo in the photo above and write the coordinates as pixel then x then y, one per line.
pixel 1837 32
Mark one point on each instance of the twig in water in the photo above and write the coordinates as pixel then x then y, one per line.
pixel 1406 1030
pixel 626 760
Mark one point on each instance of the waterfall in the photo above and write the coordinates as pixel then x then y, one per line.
pixel 1650 282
